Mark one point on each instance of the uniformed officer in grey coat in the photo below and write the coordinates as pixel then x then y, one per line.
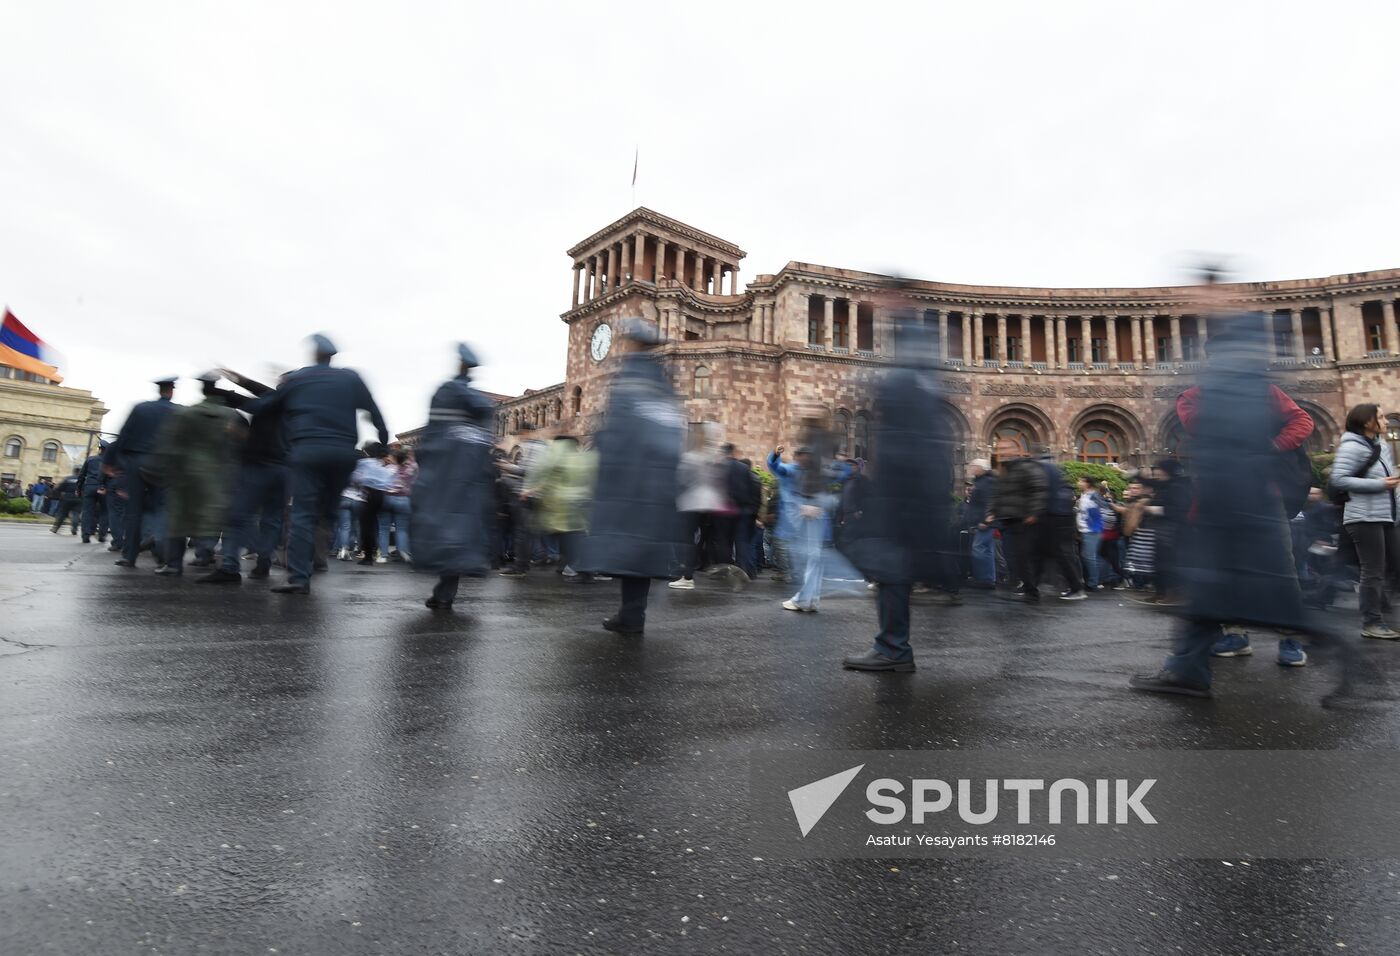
pixel 318 405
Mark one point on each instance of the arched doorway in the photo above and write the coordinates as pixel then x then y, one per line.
pixel 1100 442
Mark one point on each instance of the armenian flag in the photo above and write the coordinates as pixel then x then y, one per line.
pixel 22 349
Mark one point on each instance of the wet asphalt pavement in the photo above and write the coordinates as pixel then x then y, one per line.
pixel 223 770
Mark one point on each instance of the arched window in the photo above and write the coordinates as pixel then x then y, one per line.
pixel 843 433
pixel 1016 431
pixel 578 400
pixel 1099 442
pixel 861 445
pixel 1175 440
pixel 50 451
pixel 13 447
pixel 703 387
pixel 556 410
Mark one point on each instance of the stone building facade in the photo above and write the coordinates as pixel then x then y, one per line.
pixel 1091 373
pixel 46 430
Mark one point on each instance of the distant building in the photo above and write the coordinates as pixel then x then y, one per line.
pixel 410 438
pixel 1091 373
pixel 46 430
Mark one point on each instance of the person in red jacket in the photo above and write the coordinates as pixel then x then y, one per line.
pixel 1296 426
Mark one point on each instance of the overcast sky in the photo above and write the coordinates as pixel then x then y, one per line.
pixel 193 183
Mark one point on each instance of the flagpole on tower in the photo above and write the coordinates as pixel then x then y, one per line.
pixel 636 155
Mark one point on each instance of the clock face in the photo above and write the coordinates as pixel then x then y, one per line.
pixel 602 341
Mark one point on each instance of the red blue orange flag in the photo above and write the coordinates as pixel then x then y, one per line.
pixel 22 349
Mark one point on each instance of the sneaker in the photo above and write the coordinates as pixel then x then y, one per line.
pixel 682 584
pixel 791 605
pixel 1291 653
pixel 167 570
pixel 344 555
pixel 568 572
pixel 219 576
pixel 379 558
pixel 1233 644
pixel 1072 595
pixel 1121 586
pixel 1167 682
pixel 1381 632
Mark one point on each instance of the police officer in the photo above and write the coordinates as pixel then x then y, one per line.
pixel 92 485
pixel 135 443
pixel 260 490
pixel 317 405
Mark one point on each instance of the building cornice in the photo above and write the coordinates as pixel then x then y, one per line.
pixel 653 218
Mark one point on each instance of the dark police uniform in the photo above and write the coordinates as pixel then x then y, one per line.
pixel 135 443
pixel 91 482
pixel 317 405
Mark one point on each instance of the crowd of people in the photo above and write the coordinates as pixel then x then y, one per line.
pixel 273 475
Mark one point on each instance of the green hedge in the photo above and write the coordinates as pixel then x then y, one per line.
pixel 1321 465
pixel 1074 470
pixel 16 506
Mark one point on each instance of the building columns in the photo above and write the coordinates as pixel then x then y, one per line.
pixel 1388 326
pixel 1176 338
pixel 734 279
pixel 828 322
pixel 717 276
pixel 1111 330
pixel 1001 338
pixel 577 277
pixel 1200 337
pixel 659 273
pixel 942 336
pixel 680 266
pixel 1062 339
pixel 611 283
pixel 1295 319
pixel 1135 326
pixel 1086 347
pixel 1026 351
pixel 977 357
pixel 1324 319
pixel 966 338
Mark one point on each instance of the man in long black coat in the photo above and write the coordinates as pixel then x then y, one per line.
pixel 133 449
pixel 1234 556
pixel 453 522
pixel 635 532
pixel 902 536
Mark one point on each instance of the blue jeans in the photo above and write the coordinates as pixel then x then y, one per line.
pixel 398 508
pixel 807 560
pixel 1191 646
pixel 255 520
pixel 984 555
pixel 1089 551
pixel 347 522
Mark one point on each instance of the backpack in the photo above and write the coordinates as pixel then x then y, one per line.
pixel 1340 496
pixel 1295 478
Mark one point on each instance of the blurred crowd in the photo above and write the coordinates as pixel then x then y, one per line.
pixel 262 475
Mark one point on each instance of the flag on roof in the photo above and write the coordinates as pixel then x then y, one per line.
pixel 22 349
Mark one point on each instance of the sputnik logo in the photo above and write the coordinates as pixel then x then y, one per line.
pixel 810 802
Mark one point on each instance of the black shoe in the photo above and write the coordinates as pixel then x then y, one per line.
pixel 101 539
pixel 877 662
pixel 433 604
pixel 365 561
pixel 114 547
pixel 220 576
pixel 614 625
pixel 147 545
pixel 169 570
pixel 53 530
pixel 1166 682
pixel 87 540
pixel 260 570
pixel 124 563
pixel 292 589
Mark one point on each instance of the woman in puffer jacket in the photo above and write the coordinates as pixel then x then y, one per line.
pixel 1364 470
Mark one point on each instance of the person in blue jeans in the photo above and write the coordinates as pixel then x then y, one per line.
pixel 1089 522
pixel 984 540
pixel 801 523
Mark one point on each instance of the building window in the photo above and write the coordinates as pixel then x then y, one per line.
pixel 50 451
pixel 1099 443
pixel 703 387
pixel 1098 348
pixel 989 346
pixel 578 400
pixel 1072 350
pixel 865 330
pixel 861 446
pixel 1013 349
pixel 13 447
pixel 840 336
pixel 1164 350
pixel 1017 432
pixel 1375 337
pixel 844 434
pixel 1189 351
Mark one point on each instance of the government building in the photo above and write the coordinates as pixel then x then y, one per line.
pixel 46 429
pixel 1091 373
